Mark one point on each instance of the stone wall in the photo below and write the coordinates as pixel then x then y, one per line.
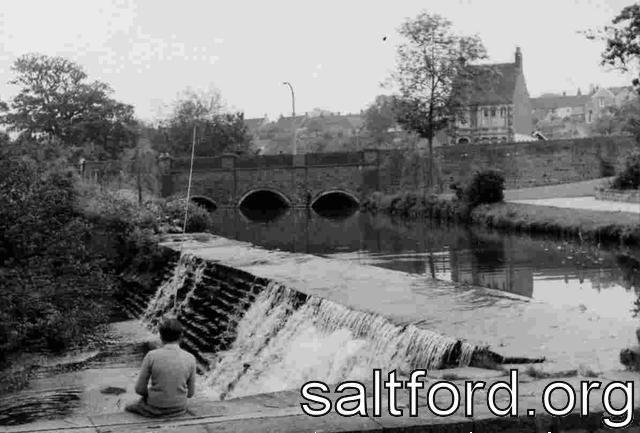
pixel 537 163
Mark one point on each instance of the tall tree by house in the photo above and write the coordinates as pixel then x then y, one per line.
pixel 431 76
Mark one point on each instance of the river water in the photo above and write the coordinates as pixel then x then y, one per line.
pixel 600 279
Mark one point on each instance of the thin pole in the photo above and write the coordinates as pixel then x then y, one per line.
pixel 186 206
pixel 293 118
pixel 186 212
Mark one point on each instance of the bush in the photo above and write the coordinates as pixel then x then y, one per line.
pixel 54 288
pixel 630 176
pixel 198 218
pixel 484 188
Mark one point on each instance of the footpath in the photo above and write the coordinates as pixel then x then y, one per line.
pixel 281 412
pixel 577 195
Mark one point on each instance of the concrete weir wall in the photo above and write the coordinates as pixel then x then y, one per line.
pixel 212 298
pixel 256 317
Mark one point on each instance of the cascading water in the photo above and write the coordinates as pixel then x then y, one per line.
pixel 176 290
pixel 280 347
pixel 256 336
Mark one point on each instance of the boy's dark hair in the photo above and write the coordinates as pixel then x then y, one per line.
pixel 170 330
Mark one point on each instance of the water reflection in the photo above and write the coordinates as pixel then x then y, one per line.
pixel 560 272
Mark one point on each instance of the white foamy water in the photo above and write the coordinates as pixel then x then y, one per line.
pixel 279 347
pixel 164 299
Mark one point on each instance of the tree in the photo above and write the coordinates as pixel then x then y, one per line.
pixel 432 76
pixel 623 42
pixel 56 102
pixel 217 131
pixel 622 38
pixel 379 117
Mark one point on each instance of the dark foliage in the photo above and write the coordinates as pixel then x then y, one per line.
pixel 630 176
pixel 485 187
pixel 198 218
pixel 54 287
pixel 56 102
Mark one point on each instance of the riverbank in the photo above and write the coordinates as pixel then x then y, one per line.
pixel 582 224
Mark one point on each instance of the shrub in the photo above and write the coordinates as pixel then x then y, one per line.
pixel 484 188
pixel 198 218
pixel 54 288
pixel 630 176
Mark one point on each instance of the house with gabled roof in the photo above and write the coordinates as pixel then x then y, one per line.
pixel 499 108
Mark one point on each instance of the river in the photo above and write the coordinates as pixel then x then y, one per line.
pixel 601 279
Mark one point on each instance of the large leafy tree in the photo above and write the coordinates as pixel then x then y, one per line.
pixel 56 101
pixel 379 117
pixel 432 76
pixel 217 131
pixel 623 42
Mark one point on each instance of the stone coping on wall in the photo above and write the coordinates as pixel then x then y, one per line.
pixel 627 196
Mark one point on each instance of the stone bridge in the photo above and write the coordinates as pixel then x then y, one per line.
pixel 293 180
pixel 345 178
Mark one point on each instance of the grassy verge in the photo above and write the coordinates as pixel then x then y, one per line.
pixel 516 217
pixel 579 223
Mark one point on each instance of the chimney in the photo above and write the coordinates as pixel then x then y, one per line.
pixel 564 93
pixel 518 58
pixel 579 92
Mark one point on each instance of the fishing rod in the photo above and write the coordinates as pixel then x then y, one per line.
pixel 186 213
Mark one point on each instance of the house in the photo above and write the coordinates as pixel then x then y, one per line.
pixel 499 106
pixel 565 116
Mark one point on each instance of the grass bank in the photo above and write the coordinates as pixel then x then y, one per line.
pixel 581 224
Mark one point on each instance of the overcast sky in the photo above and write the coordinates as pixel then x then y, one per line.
pixel 332 51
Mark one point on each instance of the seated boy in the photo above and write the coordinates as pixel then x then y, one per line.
pixel 172 372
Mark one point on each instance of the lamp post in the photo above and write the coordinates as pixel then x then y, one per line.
pixel 293 111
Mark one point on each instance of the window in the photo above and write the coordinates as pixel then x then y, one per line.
pixel 590 114
pixel 601 102
pixel 503 112
pixel 485 112
pixel 493 112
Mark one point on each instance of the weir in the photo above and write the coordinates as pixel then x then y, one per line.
pixel 254 334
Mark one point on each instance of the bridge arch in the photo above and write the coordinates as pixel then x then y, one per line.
pixel 263 204
pixel 335 203
pixel 264 196
pixel 204 202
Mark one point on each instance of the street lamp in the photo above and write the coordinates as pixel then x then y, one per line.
pixel 293 111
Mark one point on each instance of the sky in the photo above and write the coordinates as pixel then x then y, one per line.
pixel 331 51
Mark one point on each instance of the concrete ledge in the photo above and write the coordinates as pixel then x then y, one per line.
pixel 281 412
